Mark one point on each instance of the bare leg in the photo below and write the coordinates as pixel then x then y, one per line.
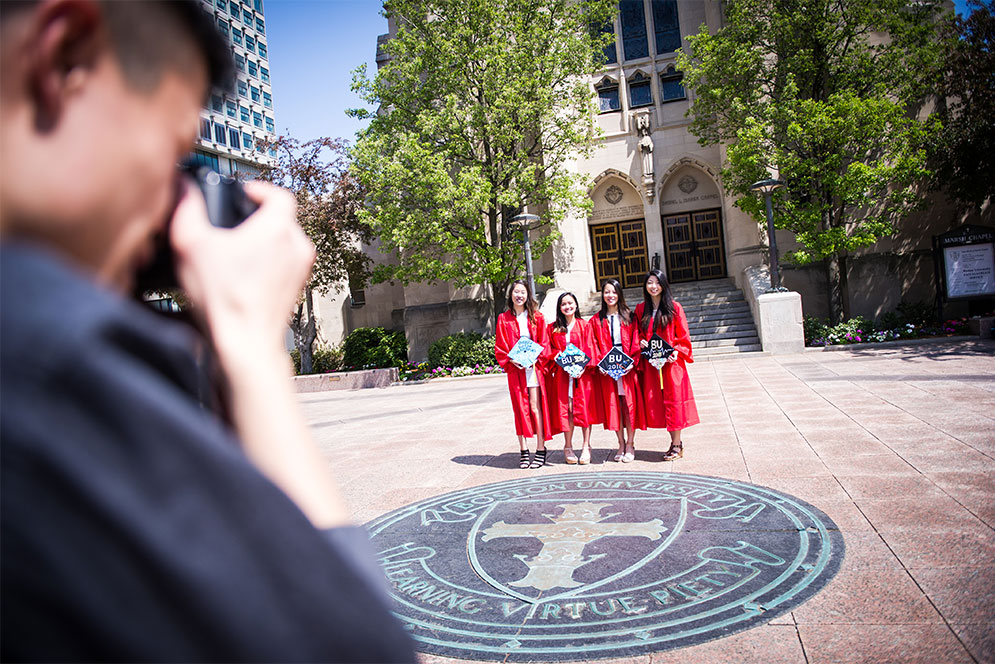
pixel 568 435
pixel 522 444
pixel 536 409
pixel 620 433
pixel 587 438
pixel 539 460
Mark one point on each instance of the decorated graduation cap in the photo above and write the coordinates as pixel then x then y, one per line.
pixel 615 363
pixel 525 352
pixel 573 360
pixel 658 351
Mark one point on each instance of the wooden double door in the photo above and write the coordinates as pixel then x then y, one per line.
pixel 620 252
pixel 694 246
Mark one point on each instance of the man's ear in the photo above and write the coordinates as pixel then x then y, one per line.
pixel 66 39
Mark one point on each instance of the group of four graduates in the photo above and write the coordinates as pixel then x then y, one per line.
pixel 546 400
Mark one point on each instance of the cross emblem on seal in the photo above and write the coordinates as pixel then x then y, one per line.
pixel 563 541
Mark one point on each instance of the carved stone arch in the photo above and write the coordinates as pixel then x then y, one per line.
pixel 692 161
pixel 612 173
pixel 606 81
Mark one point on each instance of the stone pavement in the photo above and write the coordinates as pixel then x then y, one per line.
pixel 896 444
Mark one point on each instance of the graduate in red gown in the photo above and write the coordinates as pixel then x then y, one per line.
pixel 667 399
pixel 619 401
pixel 571 400
pixel 526 384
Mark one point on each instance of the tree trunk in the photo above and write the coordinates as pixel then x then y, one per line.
pixel 839 305
pixel 499 299
pixel 305 332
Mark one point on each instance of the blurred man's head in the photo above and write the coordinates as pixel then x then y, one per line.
pixel 98 102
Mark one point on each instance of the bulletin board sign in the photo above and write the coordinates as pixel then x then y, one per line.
pixel 966 262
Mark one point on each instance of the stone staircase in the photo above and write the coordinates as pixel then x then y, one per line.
pixel 718 315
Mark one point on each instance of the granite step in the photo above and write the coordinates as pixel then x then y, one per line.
pixel 726 350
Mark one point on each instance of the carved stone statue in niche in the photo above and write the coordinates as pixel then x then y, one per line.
pixel 646 150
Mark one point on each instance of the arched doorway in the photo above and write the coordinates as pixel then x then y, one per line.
pixel 617 228
pixel 692 226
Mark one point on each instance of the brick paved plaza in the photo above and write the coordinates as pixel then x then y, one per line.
pixel 896 444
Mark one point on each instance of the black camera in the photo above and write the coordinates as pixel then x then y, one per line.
pixel 227 207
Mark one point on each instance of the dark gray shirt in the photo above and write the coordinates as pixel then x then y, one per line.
pixel 132 527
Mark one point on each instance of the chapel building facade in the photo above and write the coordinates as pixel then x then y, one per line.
pixel 657 201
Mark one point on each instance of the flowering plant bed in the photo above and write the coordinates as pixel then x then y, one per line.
pixel 424 372
pixel 862 330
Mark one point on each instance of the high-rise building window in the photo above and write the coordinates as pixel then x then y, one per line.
pixel 264 73
pixel 221 4
pixel 666 26
pixel 607 95
pixel 244 113
pixel 673 90
pixel 247 16
pixel 270 125
pixel 233 137
pixel 257 119
pixel 250 44
pixel 267 100
pixel 220 135
pixel 243 88
pixel 262 49
pixel 260 26
pixel 260 147
pixel 639 90
pixel 231 107
pixel 205 129
pixel 258 4
pixel 253 69
pixel 223 27
pixel 633 19
pixel 246 141
pixel 255 92
pixel 240 62
pixel 236 36
pixel 201 158
pixel 217 103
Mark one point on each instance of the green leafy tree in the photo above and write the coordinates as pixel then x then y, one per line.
pixel 481 106
pixel 328 199
pixel 827 93
pixel 965 153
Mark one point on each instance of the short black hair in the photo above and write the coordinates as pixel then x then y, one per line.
pixel 147 36
pixel 151 35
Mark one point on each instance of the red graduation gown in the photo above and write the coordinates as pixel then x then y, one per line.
pixel 607 391
pixel 506 338
pixel 558 381
pixel 672 408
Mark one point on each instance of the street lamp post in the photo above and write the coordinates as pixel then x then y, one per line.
pixel 526 221
pixel 767 187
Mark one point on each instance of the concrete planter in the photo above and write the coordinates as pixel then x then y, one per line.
pixel 346 380
pixel 778 316
pixel 981 326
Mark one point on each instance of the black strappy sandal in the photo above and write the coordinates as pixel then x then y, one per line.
pixel 524 459
pixel 539 460
pixel 675 452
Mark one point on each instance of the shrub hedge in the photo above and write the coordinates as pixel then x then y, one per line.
pixel 374 348
pixel 464 349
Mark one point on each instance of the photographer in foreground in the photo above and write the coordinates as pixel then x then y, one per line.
pixel 135 524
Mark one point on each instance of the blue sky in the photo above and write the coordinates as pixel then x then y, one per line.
pixel 314 45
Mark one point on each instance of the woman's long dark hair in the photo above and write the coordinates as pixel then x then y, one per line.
pixel 666 311
pixel 530 302
pixel 561 320
pixel 623 309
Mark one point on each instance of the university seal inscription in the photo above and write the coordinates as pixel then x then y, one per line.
pixel 597 565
